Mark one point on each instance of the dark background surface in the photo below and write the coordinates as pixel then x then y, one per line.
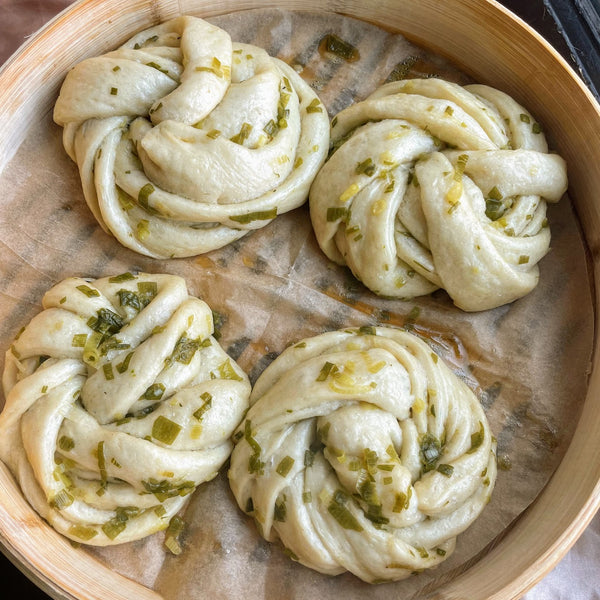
pixel 571 26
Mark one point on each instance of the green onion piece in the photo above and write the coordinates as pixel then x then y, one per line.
pixel 326 370
pixel 391 452
pixel 402 501
pixel 143 229
pixel 335 213
pixel 280 510
pixel 354 465
pixel 125 200
pixel 66 443
pixel 157 67
pixel 88 291
pixel 367 330
pixel 121 278
pixel 366 167
pixel 61 500
pixel 184 350
pixel 124 513
pixel 375 515
pixel 199 413
pixel 82 532
pixel 309 458
pixel 226 371
pixel 255 465
pixel 430 451
pixel 386 467
pixel 143 196
pixel 123 366
pixel 524 118
pixel 494 209
pixel 114 91
pixel 285 465
pixel 523 259
pixel 108 372
pixel 213 134
pixel 154 391
pixel 314 106
pixel 174 530
pixel 165 489
pixel 270 128
pixel 106 322
pixel 370 457
pixel 461 163
pixel 446 470
pixel 367 489
pixel 78 340
pixel 113 528
pixel 164 430
pixel 306 497
pixel 261 215
pixel 112 343
pixel 495 194
pixel 102 465
pixel 403 69
pixel 337 509
pixel 91 356
pixel 477 439
pixel 147 291
pixel 243 135
pixel 337 46
pixel 536 128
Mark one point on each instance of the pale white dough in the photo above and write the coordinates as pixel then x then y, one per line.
pixel 119 403
pixel 433 185
pixel 363 452
pixel 186 141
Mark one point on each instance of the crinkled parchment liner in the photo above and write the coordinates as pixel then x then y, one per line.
pixel 527 361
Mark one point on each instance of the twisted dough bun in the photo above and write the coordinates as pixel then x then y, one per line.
pixel 119 402
pixel 185 142
pixel 363 452
pixel 437 185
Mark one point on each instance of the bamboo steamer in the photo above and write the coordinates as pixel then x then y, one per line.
pixel 494 47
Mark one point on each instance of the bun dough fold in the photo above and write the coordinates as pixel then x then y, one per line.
pixel 119 403
pixel 186 141
pixel 363 452
pixel 433 185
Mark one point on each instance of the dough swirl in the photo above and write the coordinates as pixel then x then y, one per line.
pixel 436 185
pixel 363 452
pixel 186 141
pixel 119 403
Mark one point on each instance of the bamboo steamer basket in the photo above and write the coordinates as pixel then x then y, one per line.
pixel 495 48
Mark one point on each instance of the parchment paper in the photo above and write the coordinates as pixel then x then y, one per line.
pixel 528 361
